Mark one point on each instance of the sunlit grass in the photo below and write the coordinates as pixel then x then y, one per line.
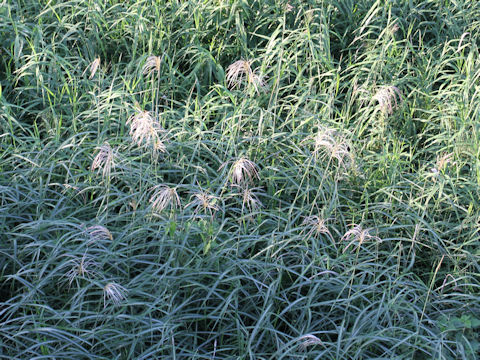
pixel 239 180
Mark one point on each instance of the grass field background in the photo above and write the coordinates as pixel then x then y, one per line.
pixel 240 179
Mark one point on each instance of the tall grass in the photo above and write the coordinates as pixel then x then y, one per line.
pixel 318 199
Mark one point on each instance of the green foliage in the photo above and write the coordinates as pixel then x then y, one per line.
pixel 239 179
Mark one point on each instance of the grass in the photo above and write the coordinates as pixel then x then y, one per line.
pixel 231 179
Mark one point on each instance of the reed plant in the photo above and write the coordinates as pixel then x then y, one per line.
pixel 239 180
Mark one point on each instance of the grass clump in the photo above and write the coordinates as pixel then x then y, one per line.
pixel 218 180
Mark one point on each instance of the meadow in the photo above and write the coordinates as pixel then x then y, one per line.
pixel 235 179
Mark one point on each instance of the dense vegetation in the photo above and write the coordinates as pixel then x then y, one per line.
pixel 239 179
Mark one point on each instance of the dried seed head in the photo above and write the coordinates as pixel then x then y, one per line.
pixel 114 293
pixel 99 233
pixel 358 235
pixel 84 267
pixel 443 160
pixel 387 98
pixel 163 197
pixel 335 146
pixel 144 127
pixel 459 47
pixel 258 82
pixel 250 199
pixel 203 201
pixel 242 172
pixel 153 64
pixel 241 70
pixel 316 226
pixel 236 72
pixel 104 160
pixel 393 28
pixel 309 340
pixel 94 65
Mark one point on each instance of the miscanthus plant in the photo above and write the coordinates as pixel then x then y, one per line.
pixel 239 180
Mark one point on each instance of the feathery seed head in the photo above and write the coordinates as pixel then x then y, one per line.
pixel 258 82
pixel 250 199
pixel 240 70
pixel 104 160
pixel 99 233
pixel 204 201
pixel 358 235
pixel 387 98
pixel 325 138
pixel 163 197
pixel 443 160
pixel 441 163
pixel 144 127
pixel 459 47
pixel 94 67
pixel 334 145
pixel 237 70
pixel 309 340
pixel 242 172
pixel 114 292
pixel 84 267
pixel 152 64
pixel 316 224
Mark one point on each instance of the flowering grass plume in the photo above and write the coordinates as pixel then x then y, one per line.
pixel 93 66
pixel 443 160
pixel 315 226
pixel 334 145
pixel 248 196
pixel 204 202
pixel 81 267
pixel 358 235
pixel 241 70
pixel 144 128
pixel 99 233
pixel 250 199
pixel 104 160
pixel 115 293
pixel 242 171
pixel 152 64
pixel 387 98
pixel 309 340
pixel 163 197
